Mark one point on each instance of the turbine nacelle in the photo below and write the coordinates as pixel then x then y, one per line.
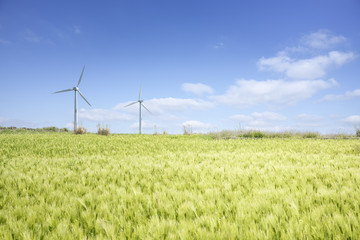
pixel 75 88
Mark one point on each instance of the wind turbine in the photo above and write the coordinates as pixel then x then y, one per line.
pixel 140 101
pixel 76 89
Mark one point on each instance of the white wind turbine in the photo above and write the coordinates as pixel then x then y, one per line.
pixel 76 89
pixel 140 101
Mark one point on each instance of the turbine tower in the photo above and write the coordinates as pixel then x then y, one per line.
pixel 140 101
pixel 76 89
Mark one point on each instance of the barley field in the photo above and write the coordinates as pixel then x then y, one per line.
pixel 65 186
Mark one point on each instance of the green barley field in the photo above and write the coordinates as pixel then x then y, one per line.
pixel 65 186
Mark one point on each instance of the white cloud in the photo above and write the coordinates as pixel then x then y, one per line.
pixel 264 119
pixel 271 116
pixel 322 39
pixel 197 126
pixel 347 95
pixel 279 63
pixel 144 125
pixel 308 68
pixel 198 88
pixel 168 117
pixel 218 45
pixel 5 122
pixel 247 93
pixel 102 115
pixel 308 118
pixel 354 120
pixel 241 118
pixel 305 69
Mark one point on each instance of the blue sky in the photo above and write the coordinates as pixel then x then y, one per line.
pixel 208 65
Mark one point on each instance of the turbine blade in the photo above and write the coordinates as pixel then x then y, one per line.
pixel 81 76
pixel 66 90
pixel 84 98
pixel 140 91
pixel 130 104
pixel 146 108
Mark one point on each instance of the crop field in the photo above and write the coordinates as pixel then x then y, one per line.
pixel 65 186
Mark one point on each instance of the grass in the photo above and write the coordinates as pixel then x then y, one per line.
pixel 66 186
pixel 233 134
pixel 26 130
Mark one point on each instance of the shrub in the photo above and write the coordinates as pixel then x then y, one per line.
pixel 258 134
pixel 310 135
pixel 103 131
pixel 254 134
pixel 358 132
pixel 50 129
pixel 80 130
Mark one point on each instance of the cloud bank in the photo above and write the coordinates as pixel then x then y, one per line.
pixel 197 88
pixel 305 69
pixel 346 96
pixel 322 39
pixel 264 119
pixel 246 93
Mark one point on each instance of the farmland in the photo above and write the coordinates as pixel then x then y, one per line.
pixel 65 186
